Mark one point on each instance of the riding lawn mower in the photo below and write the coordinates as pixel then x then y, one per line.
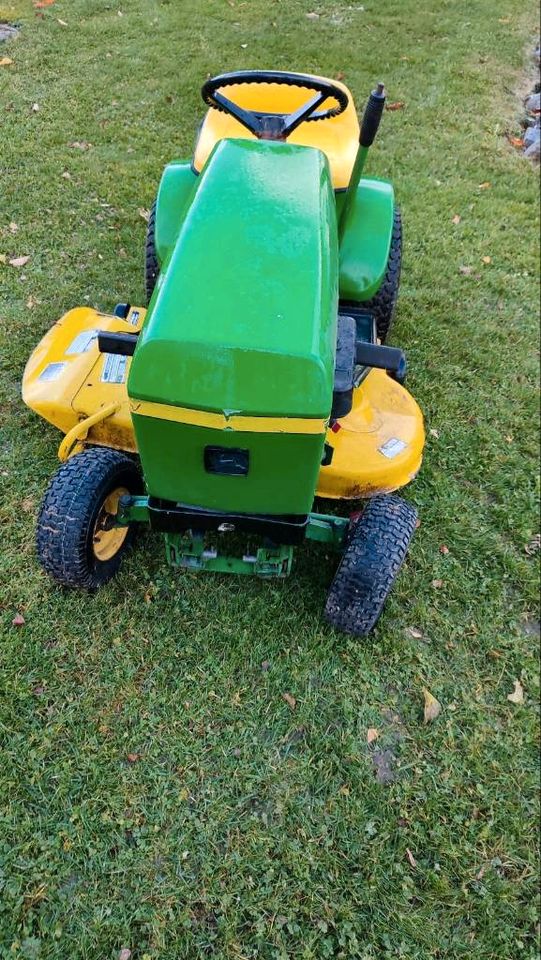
pixel 257 378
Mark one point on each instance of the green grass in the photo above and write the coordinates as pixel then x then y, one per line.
pixel 243 828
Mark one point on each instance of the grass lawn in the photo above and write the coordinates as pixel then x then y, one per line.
pixel 157 793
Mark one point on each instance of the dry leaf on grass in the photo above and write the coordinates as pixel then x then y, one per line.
pixel 437 584
pixel 18 261
pixel 145 214
pixel 456 219
pixel 124 954
pixel 485 185
pixel 43 3
pixel 132 757
pixel 13 227
pixel 517 142
pixel 415 633
pixel 486 259
pixel 35 108
pixel 371 734
pixel 533 546
pixel 517 696
pixel 312 16
pixel 5 61
pixel 411 858
pixel 432 706
pixel 18 620
pixel 290 700
pixel 397 105
pixel 444 549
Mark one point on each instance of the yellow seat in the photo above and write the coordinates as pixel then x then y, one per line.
pixel 337 137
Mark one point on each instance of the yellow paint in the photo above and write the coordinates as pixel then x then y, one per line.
pixel 337 137
pixel 382 410
pixel 218 421
pixel 78 391
pixel 107 540
pixel 73 441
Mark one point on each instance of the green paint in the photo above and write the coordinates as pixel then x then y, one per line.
pixel 244 314
pixel 367 226
pixel 194 553
pixel 353 186
pixel 282 476
pixel 326 528
pixel 175 192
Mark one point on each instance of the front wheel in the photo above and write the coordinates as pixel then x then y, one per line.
pixel 78 543
pixel 375 550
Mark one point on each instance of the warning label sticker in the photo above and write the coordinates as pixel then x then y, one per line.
pixel 391 448
pixel 134 317
pixel 114 368
pixel 52 371
pixel 82 342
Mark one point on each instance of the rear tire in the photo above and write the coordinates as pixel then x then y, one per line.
pixel 374 552
pixel 383 304
pixel 152 267
pixel 76 541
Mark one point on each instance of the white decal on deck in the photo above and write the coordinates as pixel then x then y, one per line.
pixel 83 341
pixel 52 371
pixel 391 448
pixel 114 368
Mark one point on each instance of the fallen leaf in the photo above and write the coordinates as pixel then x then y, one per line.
pixel 28 504
pixel 456 219
pixel 43 3
pixel 444 549
pixel 5 61
pixel 516 142
pixel 132 757
pixel 437 584
pixel 145 214
pixel 3 258
pixel 66 175
pixel 517 696
pixel 19 261
pixel 61 22
pixel 495 654
pixel 312 16
pixel 13 227
pixel 371 734
pixel 244 46
pixel 466 271
pixel 415 633
pixel 486 259
pixel 35 108
pixel 504 19
pixel 432 706
pixel 434 433
pixel 290 700
pixel 397 105
pixel 411 858
pixel 340 75
pixel 265 666
pixel 31 303
pixel 124 954
pixel 485 185
pixel 344 791
pixel 534 545
pixel 79 144
pixel 18 620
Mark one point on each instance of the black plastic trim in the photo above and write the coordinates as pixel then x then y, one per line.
pixel 170 517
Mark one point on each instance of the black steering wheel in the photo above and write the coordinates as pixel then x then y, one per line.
pixel 274 126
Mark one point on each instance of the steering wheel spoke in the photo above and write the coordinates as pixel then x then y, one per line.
pixel 275 126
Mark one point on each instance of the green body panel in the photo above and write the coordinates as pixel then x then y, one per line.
pixel 244 313
pixel 366 231
pixel 177 187
pixel 282 475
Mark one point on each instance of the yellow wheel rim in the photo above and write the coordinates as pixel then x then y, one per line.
pixel 107 539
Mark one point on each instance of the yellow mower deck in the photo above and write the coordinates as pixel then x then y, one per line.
pixel 67 381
